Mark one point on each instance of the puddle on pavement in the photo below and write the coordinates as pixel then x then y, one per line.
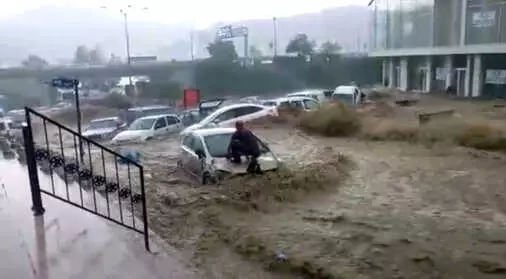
pixel 12 170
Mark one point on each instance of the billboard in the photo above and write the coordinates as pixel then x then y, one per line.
pixel 229 32
pixel 191 97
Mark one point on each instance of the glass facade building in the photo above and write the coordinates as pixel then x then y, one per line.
pixel 429 45
pixel 400 24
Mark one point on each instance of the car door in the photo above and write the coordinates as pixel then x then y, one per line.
pixel 297 104
pixel 191 162
pixel 160 127
pixel 174 123
pixel 196 162
pixel 310 104
pixel 227 118
pixel 186 152
pixel 249 113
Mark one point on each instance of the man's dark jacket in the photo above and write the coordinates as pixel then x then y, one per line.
pixel 246 142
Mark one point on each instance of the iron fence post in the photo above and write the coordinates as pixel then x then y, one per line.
pixel 144 210
pixel 33 176
pixel 78 112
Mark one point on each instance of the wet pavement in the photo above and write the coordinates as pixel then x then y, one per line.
pixel 67 242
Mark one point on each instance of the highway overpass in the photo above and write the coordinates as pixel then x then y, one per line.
pixel 181 71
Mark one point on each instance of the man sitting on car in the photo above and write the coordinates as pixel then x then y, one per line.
pixel 244 143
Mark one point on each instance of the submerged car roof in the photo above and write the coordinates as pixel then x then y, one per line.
pixel 104 119
pixel 157 116
pixel 294 98
pixel 148 108
pixel 213 131
pixel 345 89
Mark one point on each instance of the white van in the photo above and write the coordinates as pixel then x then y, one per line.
pixel 348 94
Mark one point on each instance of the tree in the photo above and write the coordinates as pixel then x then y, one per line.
pixel 223 51
pixel 82 55
pixel 301 45
pixel 97 56
pixel 34 62
pixel 329 47
pixel 255 52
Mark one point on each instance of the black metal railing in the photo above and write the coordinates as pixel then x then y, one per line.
pixel 89 175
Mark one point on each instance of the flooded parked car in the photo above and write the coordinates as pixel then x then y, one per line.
pixel 227 116
pixel 104 128
pixel 137 112
pixel 148 127
pixel 203 154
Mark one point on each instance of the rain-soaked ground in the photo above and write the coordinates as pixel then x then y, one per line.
pixel 67 242
pixel 405 211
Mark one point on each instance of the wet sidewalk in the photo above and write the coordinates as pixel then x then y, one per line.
pixel 67 242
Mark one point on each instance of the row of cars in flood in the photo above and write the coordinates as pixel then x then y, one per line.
pixel 206 131
pixel 204 146
pixel 145 123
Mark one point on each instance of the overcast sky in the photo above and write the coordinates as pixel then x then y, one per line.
pixel 198 12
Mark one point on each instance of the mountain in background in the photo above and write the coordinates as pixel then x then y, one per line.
pixel 54 33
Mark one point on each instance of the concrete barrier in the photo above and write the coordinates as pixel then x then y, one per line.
pixel 425 117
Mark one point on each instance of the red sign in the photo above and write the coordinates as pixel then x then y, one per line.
pixel 191 98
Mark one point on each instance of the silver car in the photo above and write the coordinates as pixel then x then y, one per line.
pixel 104 128
pixel 203 154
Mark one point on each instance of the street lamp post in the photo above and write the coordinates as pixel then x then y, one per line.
pixel 127 42
pixel 192 52
pixel 275 41
pixel 124 12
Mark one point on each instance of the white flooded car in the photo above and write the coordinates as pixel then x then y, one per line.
pixel 104 128
pixel 229 115
pixel 203 154
pixel 348 94
pixel 299 102
pixel 148 127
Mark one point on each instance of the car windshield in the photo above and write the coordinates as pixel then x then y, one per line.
pixel 344 98
pixel 142 124
pixel 217 145
pixel 100 124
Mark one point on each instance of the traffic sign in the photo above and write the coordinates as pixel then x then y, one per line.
pixel 64 83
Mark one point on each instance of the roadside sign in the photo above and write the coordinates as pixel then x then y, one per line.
pixel 64 83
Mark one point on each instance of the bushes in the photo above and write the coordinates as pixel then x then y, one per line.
pixel 482 136
pixel 337 120
pixel 333 120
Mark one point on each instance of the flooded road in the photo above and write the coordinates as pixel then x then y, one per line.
pixel 405 211
pixel 67 242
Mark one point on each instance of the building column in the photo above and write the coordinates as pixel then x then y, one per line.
pixel 463 27
pixel 404 74
pixel 430 74
pixel 391 72
pixel 448 65
pixel 468 78
pixel 477 80
pixel 384 72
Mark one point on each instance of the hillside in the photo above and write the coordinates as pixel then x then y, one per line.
pixel 54 33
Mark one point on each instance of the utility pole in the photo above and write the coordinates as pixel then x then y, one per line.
pixel 275 41
pixel 192 45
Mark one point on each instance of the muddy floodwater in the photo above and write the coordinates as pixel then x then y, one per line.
pixel 404 211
